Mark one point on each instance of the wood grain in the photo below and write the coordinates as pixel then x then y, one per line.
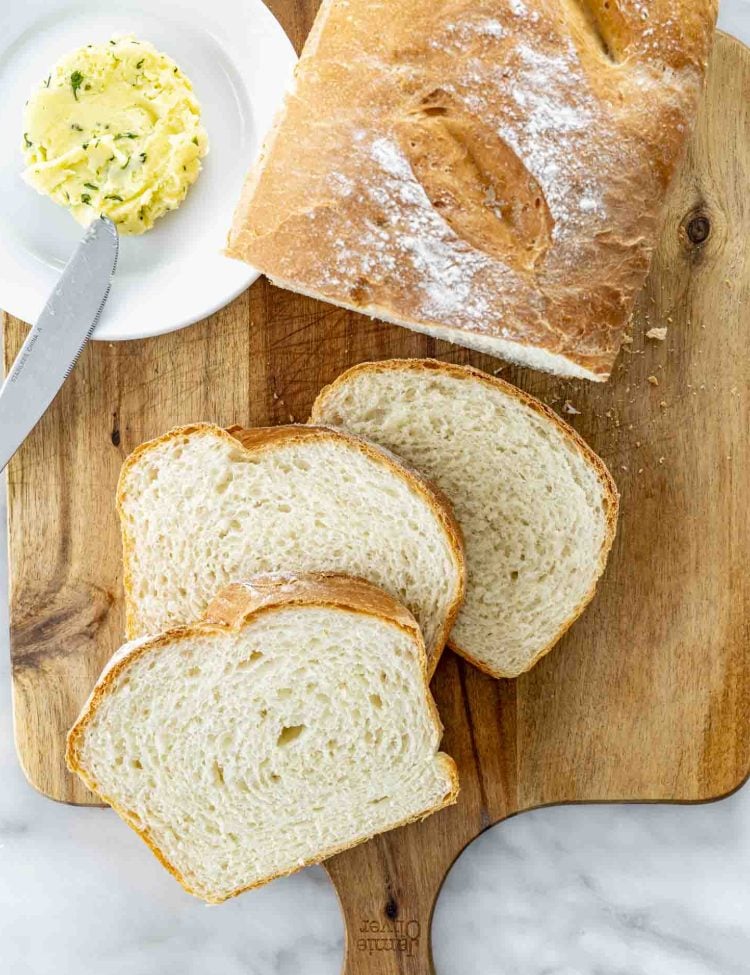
pixel 647 697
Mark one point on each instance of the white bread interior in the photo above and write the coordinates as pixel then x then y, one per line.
pixel 537 508
pixel 295 722
pixel 199 509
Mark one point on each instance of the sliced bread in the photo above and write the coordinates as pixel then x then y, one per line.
pixel 537 507
pixel 201 507
pixel 292 723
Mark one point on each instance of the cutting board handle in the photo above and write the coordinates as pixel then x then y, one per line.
pixel 387 913
pixel 388 887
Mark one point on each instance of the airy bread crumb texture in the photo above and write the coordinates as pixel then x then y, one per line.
pixel 537 508
pixel 199 510
pixel 241 754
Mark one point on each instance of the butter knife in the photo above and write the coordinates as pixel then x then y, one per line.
pixel 53 345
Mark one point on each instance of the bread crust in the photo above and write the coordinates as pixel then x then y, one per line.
pixel 513 157
pixel 233 608
pixel 571 436
pixel 268 438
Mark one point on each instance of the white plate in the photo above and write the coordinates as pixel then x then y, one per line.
pixel 239 60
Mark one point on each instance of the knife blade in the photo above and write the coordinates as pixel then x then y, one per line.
pixel 53 345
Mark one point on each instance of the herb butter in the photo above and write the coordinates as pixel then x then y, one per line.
pixel 115 129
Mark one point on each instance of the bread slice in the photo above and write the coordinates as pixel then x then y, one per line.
pixel 201 507
pixel 292 723
pixel 537 507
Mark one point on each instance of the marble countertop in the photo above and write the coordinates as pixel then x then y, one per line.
pixel 583 890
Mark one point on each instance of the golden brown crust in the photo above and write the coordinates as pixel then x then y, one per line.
pixel 237 606
pixel 267 438
pixel 573 438
pixel 237 602
pixel 493 174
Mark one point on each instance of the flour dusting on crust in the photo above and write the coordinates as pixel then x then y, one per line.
pixel 491 171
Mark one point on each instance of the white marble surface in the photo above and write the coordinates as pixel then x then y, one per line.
pixel 587 890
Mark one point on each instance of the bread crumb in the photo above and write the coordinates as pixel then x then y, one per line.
pixel 653 380
pixel 662 459
pixel 663 404
pixel 640 470
pixel 659 334
pixel 569 408
pixel 627 339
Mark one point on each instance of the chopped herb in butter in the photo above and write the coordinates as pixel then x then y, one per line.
pixel 76 80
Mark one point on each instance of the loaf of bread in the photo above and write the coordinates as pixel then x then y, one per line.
pixel 201 507
pixel 491 172
pixel 536 506
pixel 292 723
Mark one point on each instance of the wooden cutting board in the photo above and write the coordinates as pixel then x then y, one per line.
pixel 648 696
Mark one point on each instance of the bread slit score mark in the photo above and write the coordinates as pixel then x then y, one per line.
pixel 597 15
pixel 477 183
